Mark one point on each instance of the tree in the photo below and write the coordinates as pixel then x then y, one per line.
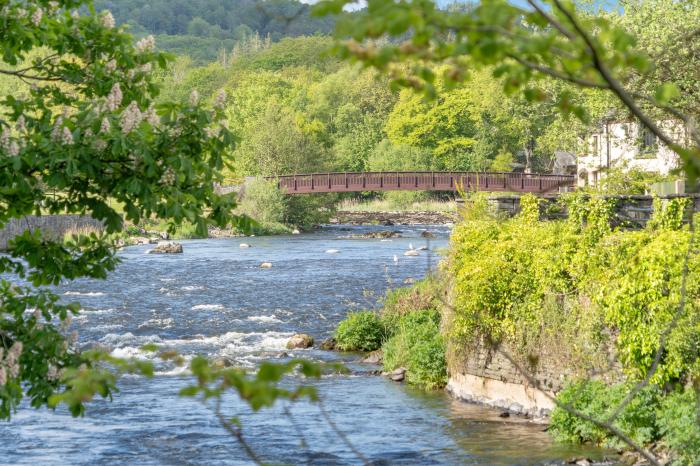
pixel 524 46
pixel 86 129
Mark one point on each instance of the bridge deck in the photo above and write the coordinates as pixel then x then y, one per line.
pixel 422 181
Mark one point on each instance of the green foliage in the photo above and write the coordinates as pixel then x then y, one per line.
pixel 82 121
pixel 506 271
pixel 264 203
pixel 403 200
pixel 436 49
pixel 669 213
pixel 628 180
pixel 679 424
pixel 529 208
pixel 503 162
pixel 598 400
pixel 360 331
pixel 201 29
pixel 418 346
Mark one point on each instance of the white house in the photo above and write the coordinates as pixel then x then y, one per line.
pixel 626 145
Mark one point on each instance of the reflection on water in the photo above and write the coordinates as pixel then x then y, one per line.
pixel 215 300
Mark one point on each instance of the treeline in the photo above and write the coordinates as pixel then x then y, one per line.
pixel 202 28
pixel 298 109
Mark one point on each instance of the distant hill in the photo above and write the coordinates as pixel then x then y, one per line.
pixel 203 28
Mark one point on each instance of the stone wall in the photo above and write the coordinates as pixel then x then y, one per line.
pixel 631 211
pixel 52 226
pixel 480 373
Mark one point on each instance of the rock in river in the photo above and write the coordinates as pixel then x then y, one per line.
pixel 266 265
pixel 300 341
pixel 328 344
pixel 244 245
pixel 167 247
pixel 428 234
pixel 397 375
pixel 411 252
pixel 375 357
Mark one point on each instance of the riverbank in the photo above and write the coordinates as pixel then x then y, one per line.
pixel 394 218
pixel 528 309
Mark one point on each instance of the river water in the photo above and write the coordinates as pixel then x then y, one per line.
pixel 215 300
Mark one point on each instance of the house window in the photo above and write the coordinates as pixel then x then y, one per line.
pixel 594 146
pixel 648 144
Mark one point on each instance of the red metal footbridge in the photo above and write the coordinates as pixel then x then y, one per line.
pixel 423 181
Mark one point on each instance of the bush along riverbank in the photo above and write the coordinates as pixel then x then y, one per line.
pixel 406 330
pixel 525 310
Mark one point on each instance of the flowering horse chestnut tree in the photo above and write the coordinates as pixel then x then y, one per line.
pixel 80 129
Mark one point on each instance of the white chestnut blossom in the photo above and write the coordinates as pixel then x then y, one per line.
pixel 111 65
pixel 194 97
pixel 152 117
pixel 13 150
pixel 107 20
pixel 57 130
pixel 146 68
pixel 5 139
pixel 36 16
pixel 131 118
pixel 20 13
pixel 75 14
pixel 88 133
pixel 21 124
pixel 3 376
pixel 53 5
pixel 105 126
pixel 168 177
pixel 114 99
pixel 52 373
pixel 67 137
pixel 212 132
pixel 100 145
pixel 146 44
pixel 220 99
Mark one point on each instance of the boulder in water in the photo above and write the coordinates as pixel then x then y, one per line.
pixel 412 253
pixel 296 232
pixel 300 341
pixel 167 247
pixel 332 251
pixel 266 265
pixel 375 357
pixel 220 363
pixel 422 248
pixel 244 245
pixel 328 344
pixel 428 234
pixel 397 375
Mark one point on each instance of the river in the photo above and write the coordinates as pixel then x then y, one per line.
pixel 215 300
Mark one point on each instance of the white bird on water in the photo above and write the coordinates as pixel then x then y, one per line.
pixel 396 259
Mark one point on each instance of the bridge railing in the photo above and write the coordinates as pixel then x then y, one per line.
pixel 423 181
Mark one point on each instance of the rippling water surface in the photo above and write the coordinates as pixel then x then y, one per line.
pixel 215 300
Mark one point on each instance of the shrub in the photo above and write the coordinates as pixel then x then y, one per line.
pixel 598 400
pixel 418 346
pixel 360 331
pixel 264 203
pixel 422 296
pixel 679 423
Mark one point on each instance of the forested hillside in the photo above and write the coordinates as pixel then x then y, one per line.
pixel 202 28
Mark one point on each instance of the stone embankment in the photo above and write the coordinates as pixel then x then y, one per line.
pixel 52 226
pixel 394 218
